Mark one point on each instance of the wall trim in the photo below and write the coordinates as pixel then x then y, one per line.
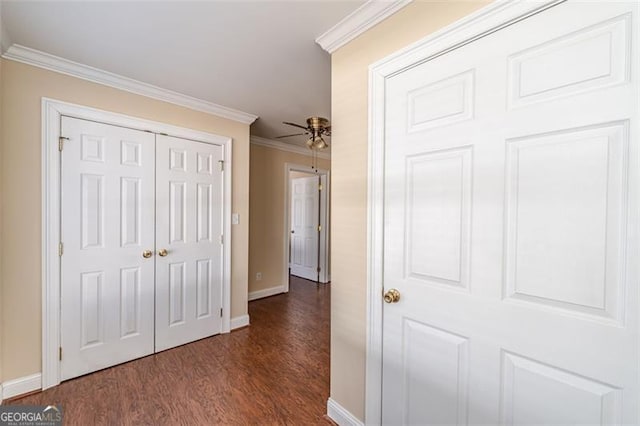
pixel 52 111
pixel 239 322
pixel 50 62
pixel 21 386
pixel 341 415
pixel 359 21
pixel 271 291
pixel 287 147
pixel 481 23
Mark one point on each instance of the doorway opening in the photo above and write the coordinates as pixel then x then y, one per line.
pixel 307 223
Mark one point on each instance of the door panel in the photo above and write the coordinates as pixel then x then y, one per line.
pixel 107 190
pixel 438 214
pixel 563 219
pixel 304 225
pixel 189 226
pixel 511 226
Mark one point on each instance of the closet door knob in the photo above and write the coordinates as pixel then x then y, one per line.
pixel 147 254
pixel 163 252
pixel 392 296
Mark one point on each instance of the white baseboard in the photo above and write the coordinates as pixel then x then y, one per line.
pixel 20 386
pixel 241 321
pixel 254 295
pixel 340 415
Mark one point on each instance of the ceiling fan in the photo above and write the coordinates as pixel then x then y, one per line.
pixel 316 128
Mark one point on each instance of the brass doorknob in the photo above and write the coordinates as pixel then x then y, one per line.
pixel 147 254
pixel 163 252
pixel 392 296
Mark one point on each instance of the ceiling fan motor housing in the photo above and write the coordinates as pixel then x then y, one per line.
pixel 316 128
pixel 317 123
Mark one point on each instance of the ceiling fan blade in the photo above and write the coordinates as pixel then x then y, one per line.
pixel 288 136
pixel 295 125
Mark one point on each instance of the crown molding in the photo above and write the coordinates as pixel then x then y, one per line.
pixel 283 146
pixel 50 62
pixel 359 21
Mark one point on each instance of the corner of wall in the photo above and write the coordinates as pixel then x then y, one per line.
pixel 2 41
pixel 1 204
pixel 240 231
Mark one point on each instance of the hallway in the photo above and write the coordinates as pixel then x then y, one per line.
pixel 275 371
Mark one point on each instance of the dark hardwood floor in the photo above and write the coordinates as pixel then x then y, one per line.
pixel 275 371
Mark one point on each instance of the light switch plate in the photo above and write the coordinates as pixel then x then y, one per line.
pixel 235 218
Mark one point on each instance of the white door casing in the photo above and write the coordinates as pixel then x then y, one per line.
pixel 189 206
pixel 511 225
pixel 325 196
pixel 305 219
pixel 53 112
pixel 107 223
pixel 325 265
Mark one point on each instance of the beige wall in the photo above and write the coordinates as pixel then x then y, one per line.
pixel 349 68
pixel 296 175
pixel 23 87
pixel 266 216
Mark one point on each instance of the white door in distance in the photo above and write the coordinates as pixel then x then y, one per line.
pixel 107 224
pixel 189 201
pixel 511 226
pixel 305 220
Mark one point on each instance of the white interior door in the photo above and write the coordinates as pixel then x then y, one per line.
pixel 189 204
pixel 107 222
pixel 511 226
pixel 304 227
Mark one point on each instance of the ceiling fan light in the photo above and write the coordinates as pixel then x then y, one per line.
pixel 310 143
pixel 321 143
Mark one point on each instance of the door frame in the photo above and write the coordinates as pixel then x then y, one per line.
pixel 325 273
pixel 52 113
pixel 485 21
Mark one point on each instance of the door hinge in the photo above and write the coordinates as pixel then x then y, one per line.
pixel 221 239
pixel 220 312
pixel 221 163
pixel 60 353
pixel 319 228
pixel 320 187
pixel 60 249
pixel 61 140
pixel 318 269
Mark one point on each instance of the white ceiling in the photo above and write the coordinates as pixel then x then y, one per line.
pixel 255 56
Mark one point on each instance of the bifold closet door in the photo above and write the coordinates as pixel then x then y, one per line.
pixel 107 286
pixel 189 200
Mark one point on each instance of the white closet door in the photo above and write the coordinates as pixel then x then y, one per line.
pixel 107 223
pixel 189 201
pixel 511 226
pixel 304 227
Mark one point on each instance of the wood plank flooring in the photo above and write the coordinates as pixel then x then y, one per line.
pixel 275 371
